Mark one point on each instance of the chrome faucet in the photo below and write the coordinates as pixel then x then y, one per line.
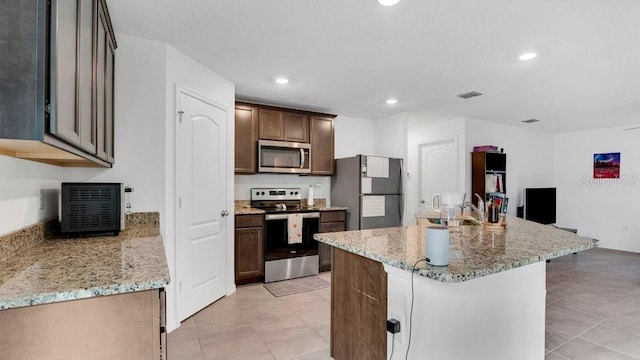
pixel 479 210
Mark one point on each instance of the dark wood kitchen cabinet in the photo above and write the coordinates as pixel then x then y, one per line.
pixel 330 221
pixel 296 127
pixel 105 58
pixel 322 135
pixel 283 126
pixel 58 109
pixel 271 124
pixel 249 248
pixel 255 122
pixel 246 135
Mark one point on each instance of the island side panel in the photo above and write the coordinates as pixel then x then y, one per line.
pixel 358 307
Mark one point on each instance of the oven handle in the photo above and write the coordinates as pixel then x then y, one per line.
pixel 310 215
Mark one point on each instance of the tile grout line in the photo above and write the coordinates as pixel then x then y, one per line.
pixel 594 326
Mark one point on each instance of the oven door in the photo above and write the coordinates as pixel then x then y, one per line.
pixel 284 157
pixel 286 260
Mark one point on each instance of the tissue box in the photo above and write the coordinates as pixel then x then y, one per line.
pixel 485 148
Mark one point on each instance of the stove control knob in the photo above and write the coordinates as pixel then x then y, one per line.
pixel 262 193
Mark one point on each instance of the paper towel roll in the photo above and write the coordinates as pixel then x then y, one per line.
pixel 310 196
pixel 437 245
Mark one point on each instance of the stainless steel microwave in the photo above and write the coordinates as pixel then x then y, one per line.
pixel 284 157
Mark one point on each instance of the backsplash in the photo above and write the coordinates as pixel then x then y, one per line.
pixel 138 224
pixel 244 183
pixel 14 242
pixel 319 203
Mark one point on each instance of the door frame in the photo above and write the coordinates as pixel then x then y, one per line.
pixel 226 222
pixel 421 146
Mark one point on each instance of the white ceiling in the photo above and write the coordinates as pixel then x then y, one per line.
pixel 348 56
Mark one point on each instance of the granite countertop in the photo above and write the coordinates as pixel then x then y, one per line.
pixel 247 210
pixel 61 269
pixel 475 251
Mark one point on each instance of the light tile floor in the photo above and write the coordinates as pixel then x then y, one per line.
pixel 593 306
pixel 593 312
pixel 253 324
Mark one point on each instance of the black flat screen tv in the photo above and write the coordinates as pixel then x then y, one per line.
pixel 540 205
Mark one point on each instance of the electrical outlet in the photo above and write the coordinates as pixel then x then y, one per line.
pixel 41 197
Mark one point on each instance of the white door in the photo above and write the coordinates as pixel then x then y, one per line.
pixel 438 170
pixel 201 185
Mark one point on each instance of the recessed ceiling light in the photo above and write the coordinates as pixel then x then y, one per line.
pixel 388 2
pixel 282 81
pixel 391 101
pixel 527 56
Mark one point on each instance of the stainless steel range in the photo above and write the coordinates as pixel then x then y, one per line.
pixel 290 251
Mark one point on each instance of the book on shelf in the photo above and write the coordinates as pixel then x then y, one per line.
pixel 499 199
pixel 493 183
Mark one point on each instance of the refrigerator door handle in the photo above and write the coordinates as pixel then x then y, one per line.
pixel 401 209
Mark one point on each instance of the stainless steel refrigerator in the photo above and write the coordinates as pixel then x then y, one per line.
pixel 371 187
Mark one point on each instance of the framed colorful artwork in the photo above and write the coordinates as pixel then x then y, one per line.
pixel 606 166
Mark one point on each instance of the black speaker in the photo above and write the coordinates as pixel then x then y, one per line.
pixel 91 208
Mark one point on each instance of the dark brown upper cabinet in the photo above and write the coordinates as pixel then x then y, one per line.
pixel 283 126
pixel 246 139
pixel 254 121
pixel 271 124
pixel 60 109
pixel 296 127
pixel 322 135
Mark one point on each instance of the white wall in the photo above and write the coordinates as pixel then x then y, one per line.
pixel 391 136
pixel 431 133
pixel 139 114
pixel 20 185
pixel 530 156
pixel 603 209
pixel 354 136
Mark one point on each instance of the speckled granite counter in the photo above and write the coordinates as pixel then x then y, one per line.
pixel 474 252
pixel 61 269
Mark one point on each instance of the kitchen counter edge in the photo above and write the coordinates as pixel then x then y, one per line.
pixel 41 276
pixel 436 273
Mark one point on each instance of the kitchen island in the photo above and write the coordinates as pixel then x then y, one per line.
pixel 86 298
pixel 488 303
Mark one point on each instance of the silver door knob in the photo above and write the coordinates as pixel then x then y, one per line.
pixel 224 213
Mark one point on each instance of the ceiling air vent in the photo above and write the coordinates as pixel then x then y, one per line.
pixel 529 121
pixel 469 95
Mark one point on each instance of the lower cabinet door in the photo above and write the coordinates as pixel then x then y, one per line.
pixel 249 253
pixel 324 250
